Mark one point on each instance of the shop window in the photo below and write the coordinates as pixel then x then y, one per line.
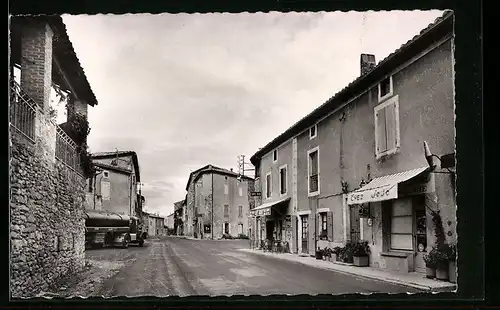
pixel 421 230
pixel 240 211
pixel 387 127
pixel 283 180
pixel 313 171
pixel 401 226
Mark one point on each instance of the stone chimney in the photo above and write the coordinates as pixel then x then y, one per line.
pixel 231 169
pixel 367 63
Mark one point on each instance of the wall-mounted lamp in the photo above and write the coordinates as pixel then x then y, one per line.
pixel 429 157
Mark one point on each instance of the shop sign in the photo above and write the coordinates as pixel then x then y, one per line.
pixel 419 188
pixel 255 194
pixel 263 212
pixel 386 192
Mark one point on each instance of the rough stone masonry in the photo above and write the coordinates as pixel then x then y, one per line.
pixel 47 223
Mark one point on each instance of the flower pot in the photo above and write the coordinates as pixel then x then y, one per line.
pixel 348 258
pixel 360 261
pixel 338 258
pixel 442 273
pixel 452 271
pixel 430 272
pixel 319 255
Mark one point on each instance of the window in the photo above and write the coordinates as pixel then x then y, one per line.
pixel 240 229
pixel 226 210
pixel 305 226
pixel 283 180
pixel 105 174
pixel 240 211
pixel 226 189
pixel 268 185
pixel 324 226
pixel 133 179
pixel 385 89
pixel 91 180
pixel 313 171
pixel 240 191
pixel 387 127
pixel 313 131
pixel 402 225
pixel 275 155
pixel 421 230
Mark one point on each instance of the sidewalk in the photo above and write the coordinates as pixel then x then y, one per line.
pixel 415 280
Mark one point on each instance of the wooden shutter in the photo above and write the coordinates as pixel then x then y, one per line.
pixel 381 131
pixel 318 225
pixel 294 234
pixel 329 225
pixel 390 116
pixel 311 227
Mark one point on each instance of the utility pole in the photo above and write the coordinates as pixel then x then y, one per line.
pixel 241 165
pixel 212 226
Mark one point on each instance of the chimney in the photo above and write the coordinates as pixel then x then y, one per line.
pixel 367 63
pixel 231 169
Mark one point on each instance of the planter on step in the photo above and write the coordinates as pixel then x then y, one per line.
pixel 360 261
pixel 442 273
pixel 334 257
pixel 452 271
pixel 430 272
pixel 319 254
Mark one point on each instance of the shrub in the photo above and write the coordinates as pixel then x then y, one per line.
pixel 361 248
pixel 430 259
pixel 452 254
pixel 337 250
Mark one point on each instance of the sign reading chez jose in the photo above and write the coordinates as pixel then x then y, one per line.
pixel 375 194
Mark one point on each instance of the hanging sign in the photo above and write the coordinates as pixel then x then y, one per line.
pixel 386 192
pixel 263 212
pixel 254 194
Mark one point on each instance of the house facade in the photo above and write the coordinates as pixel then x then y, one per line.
pixel 114 187
pixel 155 225
pixel 47 173
pixel 179 217
pixel 217 203
pixel 169 224
pixel 359 169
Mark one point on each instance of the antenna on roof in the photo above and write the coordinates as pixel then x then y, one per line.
pixel 114 162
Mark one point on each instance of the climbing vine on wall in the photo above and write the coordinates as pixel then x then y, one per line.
pixel 81 129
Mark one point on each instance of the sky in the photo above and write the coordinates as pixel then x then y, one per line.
pixel 187 90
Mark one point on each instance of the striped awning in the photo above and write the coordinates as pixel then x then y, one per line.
pixel 382 188
pixel 265 208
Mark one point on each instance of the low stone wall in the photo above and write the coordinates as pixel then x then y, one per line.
pixel 46 215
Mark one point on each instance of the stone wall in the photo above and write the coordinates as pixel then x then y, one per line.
pixel 46 215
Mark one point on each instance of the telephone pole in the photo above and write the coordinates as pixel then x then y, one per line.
pixel 241 165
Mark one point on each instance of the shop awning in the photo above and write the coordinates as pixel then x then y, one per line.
pixel 265 209
pixel 382 188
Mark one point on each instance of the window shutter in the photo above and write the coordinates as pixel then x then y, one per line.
pixel 390 114
pixel 311 234
pixel 381 131
pixel 329 225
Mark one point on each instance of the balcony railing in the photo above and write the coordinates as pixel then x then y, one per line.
pixel 22 111
pixel 66 150
pixel 313 183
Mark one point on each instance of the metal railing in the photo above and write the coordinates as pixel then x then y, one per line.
pixel 66 150
pixel 22 111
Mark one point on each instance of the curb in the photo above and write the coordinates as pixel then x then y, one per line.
pixel 450 288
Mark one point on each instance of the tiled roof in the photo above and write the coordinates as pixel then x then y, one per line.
pixel 63 51
pixel 111 167
pixel 353 87
pixel 193 176
pixel 135 159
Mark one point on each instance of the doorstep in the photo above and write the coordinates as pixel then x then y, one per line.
pixel 415 280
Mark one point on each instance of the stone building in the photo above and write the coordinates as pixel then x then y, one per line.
pixel 356 167
pixel 114 187
pixel 179 217
pixel 47 183
pixel 154 224
pixel 217 198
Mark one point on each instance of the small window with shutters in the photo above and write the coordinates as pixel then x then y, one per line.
pixel 387 127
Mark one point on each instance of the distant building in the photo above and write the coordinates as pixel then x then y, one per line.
pixel 114 186
pixel 169 224
pixel 154 225
pixel 218 202
pixel 179 217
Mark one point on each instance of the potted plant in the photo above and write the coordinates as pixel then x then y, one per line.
pixel 319 253
pixel 324 253
pixel 442 263
pixel 452 265
pixel 360 253
pixel 347 253
pixel 430 264
pixel 329 254
pixel 337 253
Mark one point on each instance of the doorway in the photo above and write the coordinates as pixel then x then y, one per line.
pixel 226 228
pixel 305 233
pixel 420 232
pixel 354 218
pixel 269 230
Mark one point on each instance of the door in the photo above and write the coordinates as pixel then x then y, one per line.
pixel 226 228
pixel 269 230
pixel 305 233
pixel 354 218
pixel 420 233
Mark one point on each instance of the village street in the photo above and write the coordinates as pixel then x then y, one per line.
pixel 180 267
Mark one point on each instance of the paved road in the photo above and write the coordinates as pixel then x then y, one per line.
pixel 181 267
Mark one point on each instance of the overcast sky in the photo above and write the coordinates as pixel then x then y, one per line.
pixel 187 90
